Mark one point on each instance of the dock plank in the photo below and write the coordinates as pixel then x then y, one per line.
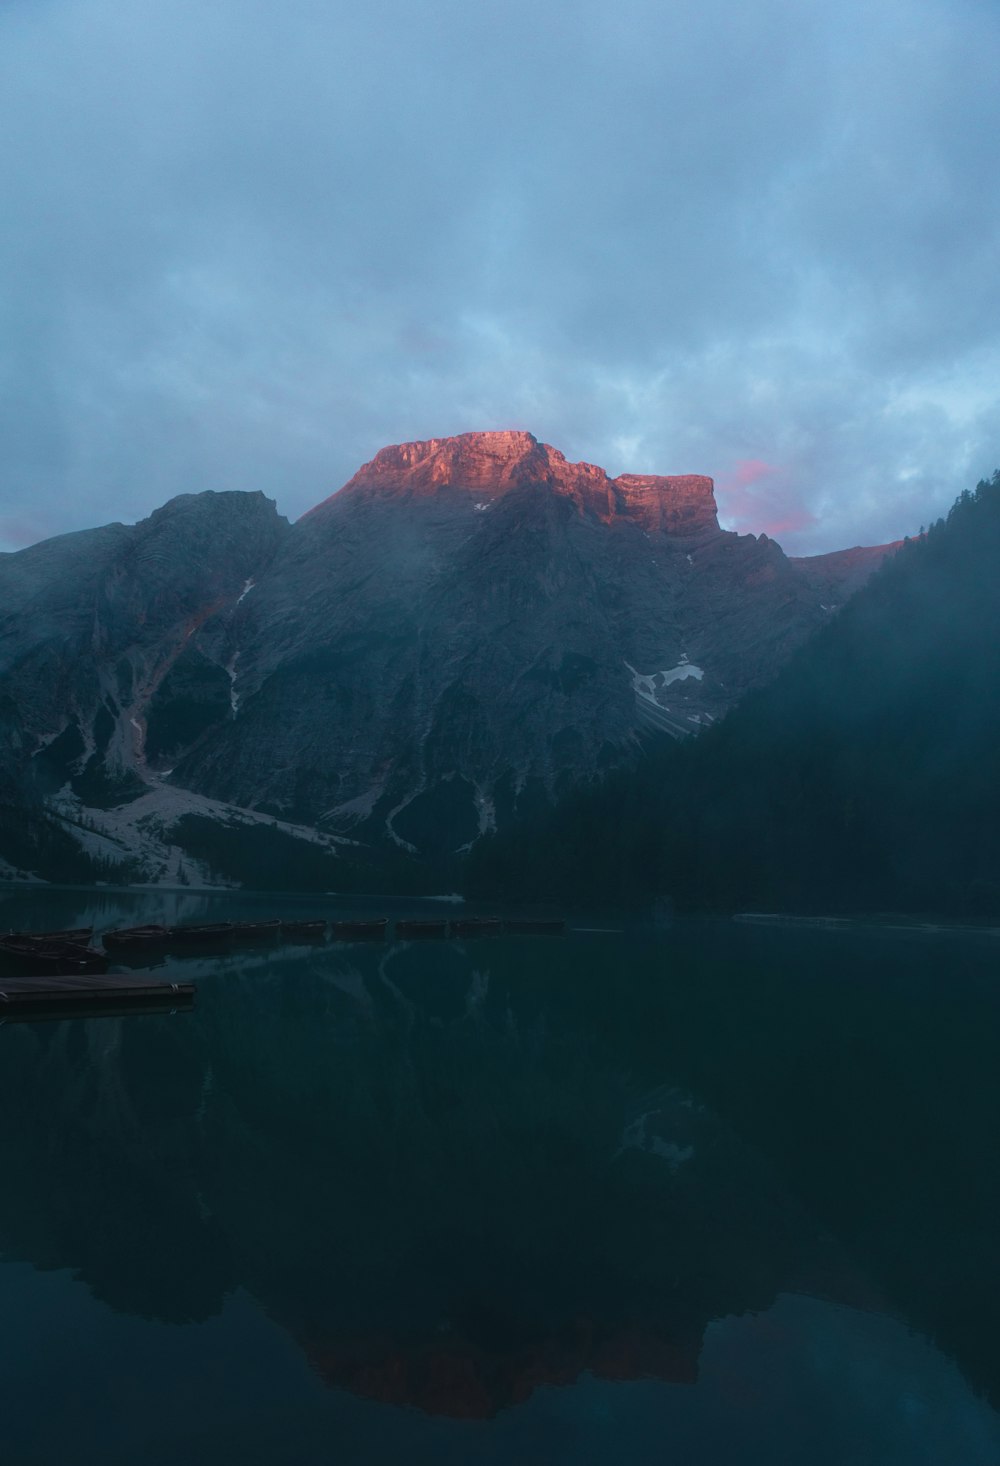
pixel 83 992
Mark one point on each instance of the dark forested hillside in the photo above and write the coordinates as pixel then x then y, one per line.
pixel 867 776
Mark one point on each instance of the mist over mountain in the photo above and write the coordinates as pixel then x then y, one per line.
pixel 863 778
pixel 468 629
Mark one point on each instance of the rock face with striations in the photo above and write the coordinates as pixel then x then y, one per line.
pixel 469 625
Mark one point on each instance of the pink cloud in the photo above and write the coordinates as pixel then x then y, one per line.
pixel 755 497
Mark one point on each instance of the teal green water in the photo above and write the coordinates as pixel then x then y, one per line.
pixel 708 1194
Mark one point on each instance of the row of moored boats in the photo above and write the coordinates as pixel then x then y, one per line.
pixel 70 951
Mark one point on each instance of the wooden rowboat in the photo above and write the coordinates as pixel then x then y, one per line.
pixel 420 929
pixel 51 958
pixel 359 931
pixel 535 926
pixel 304 931
pixel 135 938
pixel 80 935
pixel 255 931
pixel 213 934
pixel 477 926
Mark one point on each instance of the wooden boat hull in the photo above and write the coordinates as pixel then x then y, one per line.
pixel 52 958
pixel 420 930
pixel 255 931
pixel 473 926
pixel 304 931
pixel 359 931
pixel 218 934
pixel 79 935
pixel 129 939
pixel 525 926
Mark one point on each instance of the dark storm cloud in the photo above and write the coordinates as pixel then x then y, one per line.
pixel 245 244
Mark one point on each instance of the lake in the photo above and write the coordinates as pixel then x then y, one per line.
pixel 704 1193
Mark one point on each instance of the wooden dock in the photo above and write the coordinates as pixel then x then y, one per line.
pixel 86 994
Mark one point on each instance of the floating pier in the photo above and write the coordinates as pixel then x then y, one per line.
pixel 85 994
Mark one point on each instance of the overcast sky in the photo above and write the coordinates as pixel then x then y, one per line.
pixel 246 243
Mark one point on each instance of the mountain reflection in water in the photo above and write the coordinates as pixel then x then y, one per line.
pixel 455 1173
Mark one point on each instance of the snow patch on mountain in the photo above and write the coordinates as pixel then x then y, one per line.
pixel 678 722
pixel 487 812
pixel 234 699
pixel 396 838
pixel 353 811
pixel 647 684
pixel 141 832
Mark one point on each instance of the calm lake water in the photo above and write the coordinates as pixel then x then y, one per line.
pixel 704 1194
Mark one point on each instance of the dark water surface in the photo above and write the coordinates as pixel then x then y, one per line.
pixel 710 1194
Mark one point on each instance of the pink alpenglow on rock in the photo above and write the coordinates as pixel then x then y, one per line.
pixel 488 465
pixel 681 504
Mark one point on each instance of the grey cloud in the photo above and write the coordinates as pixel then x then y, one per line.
pixel 249 243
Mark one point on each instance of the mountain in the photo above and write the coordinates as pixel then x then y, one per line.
pixel 469 627
pixel 863 779
pixel 474 623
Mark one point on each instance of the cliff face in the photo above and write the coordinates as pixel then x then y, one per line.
pixel 470 624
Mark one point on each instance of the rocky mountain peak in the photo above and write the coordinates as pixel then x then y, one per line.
pixel 489 464
pixel 480 462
